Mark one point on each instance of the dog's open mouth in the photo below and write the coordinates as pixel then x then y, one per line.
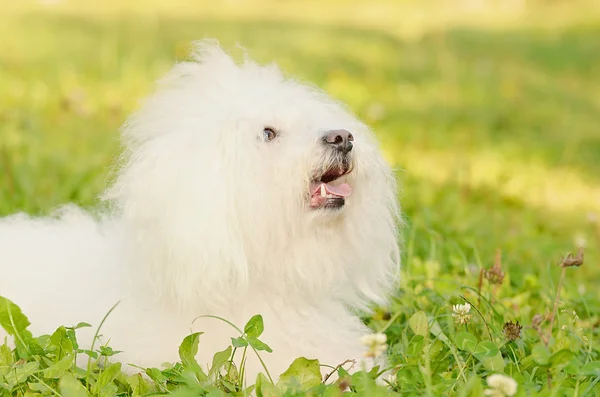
pixel 326 193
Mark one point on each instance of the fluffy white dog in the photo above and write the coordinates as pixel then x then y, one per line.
pixel 241 193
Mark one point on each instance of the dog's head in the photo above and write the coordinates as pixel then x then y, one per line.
pixel 235 173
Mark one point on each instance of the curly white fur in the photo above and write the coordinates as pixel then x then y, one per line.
pixel 208 218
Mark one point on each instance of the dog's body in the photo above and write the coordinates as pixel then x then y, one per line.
pixel 74 269
pixel 242 193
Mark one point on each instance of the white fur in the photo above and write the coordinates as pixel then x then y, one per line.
pixel 208 218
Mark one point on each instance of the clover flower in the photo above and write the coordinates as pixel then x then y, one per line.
pixel 461 313
pixel 375 343
pixel 500 386
pixel 512 330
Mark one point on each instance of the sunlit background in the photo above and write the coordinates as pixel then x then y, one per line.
pixel 489 110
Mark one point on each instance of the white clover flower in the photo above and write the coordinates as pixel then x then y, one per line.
pixel 500 386
pixel 375 343
pixel 461 313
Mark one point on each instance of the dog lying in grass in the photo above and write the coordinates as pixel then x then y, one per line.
pixel 240 192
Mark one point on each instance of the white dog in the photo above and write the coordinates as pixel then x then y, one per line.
pixel 241 193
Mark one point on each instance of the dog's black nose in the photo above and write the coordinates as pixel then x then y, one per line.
pixel 340 139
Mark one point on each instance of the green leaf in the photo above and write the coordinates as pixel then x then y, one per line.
pixel 233 375
pixel 488 353
pixel 591 369
pixel 107 376
pixel 188 350
pixel 110 390
pixel 80 325
pixel 436 330
pixel 20 373
pixel 138 385
pixel 473 387
pixel 37 386
pixel 495 363
pixel 34 345
pixel 573 367
pixel 436 349
pixel 374 371
pixel 465 341
pixel 58 369
pixel 258 345
pixel 486 349
pixel 239 342
pixel 303 373
pixel 13 321
pixel 156 375
pixel 254 327
pixel 71 387
pixel 6 357
pixel 333 391
pixel 264 388
pixel 541 354
pixel 62 342
pixel 365 385
pixel 418 323
pixel 415 346
pixel 561 358
pixel 217 393
pixel 219 359
pixel 72 337
pixel 107 351
pixel 90 353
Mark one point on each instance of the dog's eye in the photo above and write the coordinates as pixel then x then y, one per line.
pixel 269 134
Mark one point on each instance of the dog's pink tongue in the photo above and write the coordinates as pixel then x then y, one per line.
pixel 343 190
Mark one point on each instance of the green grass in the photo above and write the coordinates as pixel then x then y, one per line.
pixel 495 134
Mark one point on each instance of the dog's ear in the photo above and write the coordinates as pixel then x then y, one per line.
pixel 172 189
pixel 172 197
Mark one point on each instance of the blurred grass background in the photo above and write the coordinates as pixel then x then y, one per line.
pixel 490 110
